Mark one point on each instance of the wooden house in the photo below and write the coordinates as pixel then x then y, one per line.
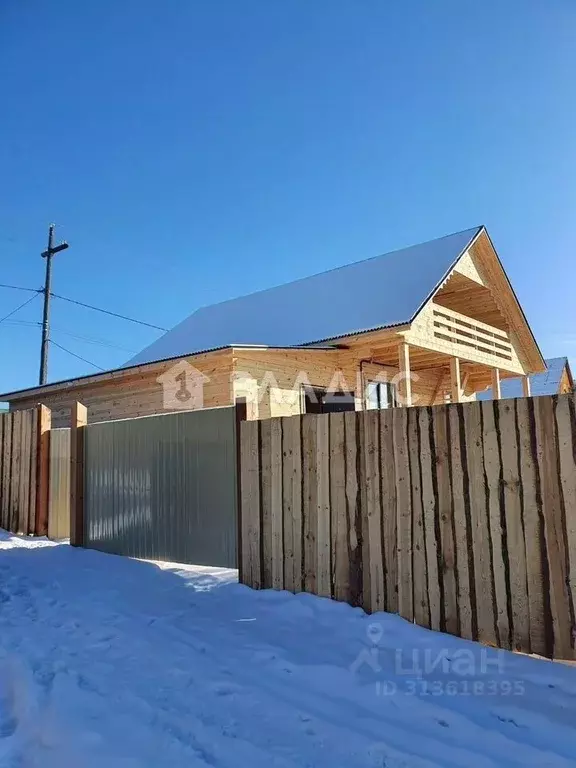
pixel 428 324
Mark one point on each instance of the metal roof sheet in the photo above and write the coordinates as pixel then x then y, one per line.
pixel 546 383
pixel 376 293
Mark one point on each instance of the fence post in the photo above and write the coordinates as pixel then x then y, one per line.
pixel 44 417
pixel 77 428
pixel 241 412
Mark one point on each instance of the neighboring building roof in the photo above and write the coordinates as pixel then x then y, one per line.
pixel 368 295
pixel 547 383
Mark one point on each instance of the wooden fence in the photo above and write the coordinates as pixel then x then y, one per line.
pixel 461 518
pixel 24 437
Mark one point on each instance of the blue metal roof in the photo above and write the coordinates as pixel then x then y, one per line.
pixel 546 383
pixel 376 293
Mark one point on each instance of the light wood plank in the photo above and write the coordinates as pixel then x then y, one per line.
pixel 455 380
pixel 430 514
pixel 353 508
pixel 34 478
pixel 293 534
pixel 323 535
pixel 405 381
pixel 250 506
pixel 338 509
pixel 494 479
pixel 403 513
pixel 533 528
pixel 484 598
pixel 373 546
pixel 446 519
pixel 266 503
pixel 388 493
pixel 420 569
pixel 566 421
pixel 310 500
pixel 462 528
pixel 7 470
pixel 277 524
pixel 515 543
pixel 16 471
pixel 553 528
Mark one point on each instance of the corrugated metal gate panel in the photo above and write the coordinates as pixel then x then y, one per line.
pixel 59 485
pixel 163 487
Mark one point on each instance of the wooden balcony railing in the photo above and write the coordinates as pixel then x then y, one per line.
pixel 472 334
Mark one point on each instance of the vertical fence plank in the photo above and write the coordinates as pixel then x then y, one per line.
pixel 44 421
pixel 277 523
pixel 24 492
pixel 353 509
pixel 420 568
pixel 323 537
pixel 266 501
pixel 533 518
pixel 293 567
pixel 483 586
pixel 430 514
pixel 554 531
pixel 388 491
pixel 404 513
pixel 462 533
pixel 250 504
pixel 566 420
pixel 3 487
pixel 339 521
pixel 7 471
pixel 16 469
pixel 494 486
pixel 310 500
pixel 515 543
pixel 79 419
pixel 446 519
pixel 372 545
pixel 33 482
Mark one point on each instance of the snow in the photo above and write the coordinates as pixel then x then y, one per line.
pixel 107 661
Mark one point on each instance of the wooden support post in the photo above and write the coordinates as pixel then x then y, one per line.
pixel 77 429
pixel 496 391
pixel 241 414
pixel 43 472
pixel 455 382
pixel 405 383
pixel 526 391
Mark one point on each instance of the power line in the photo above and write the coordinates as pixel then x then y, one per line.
pixel 51 341
pixel 18 308
pixel 107 312
pixel 20 288
pixel 87 339
pixel 90 340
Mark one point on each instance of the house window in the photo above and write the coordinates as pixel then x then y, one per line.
pixel 380 394
pixel 319 400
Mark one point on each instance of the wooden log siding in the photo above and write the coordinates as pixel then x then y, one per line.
pixel 459 517
pixel 21 455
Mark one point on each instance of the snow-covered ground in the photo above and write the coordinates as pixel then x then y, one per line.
pixel 109 662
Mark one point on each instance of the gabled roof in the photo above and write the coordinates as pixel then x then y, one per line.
pixel 384 291
pixel 546 383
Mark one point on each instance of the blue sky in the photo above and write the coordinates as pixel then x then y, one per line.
pixel 192 151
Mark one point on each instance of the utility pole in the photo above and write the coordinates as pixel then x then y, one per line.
pixel 47 254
